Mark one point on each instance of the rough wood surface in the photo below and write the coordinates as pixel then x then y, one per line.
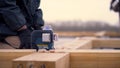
pixel 95 59
pixel 75 44
pixel 79 58
pixel 49 60
pixel 7 55
pixel 106 43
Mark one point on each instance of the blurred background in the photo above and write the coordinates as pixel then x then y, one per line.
pixel 80 17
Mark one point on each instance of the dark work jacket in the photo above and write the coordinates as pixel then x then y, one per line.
pixel 16 13
pixel 117 7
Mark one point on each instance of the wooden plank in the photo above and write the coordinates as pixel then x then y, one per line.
pixel 48 60
pixel 106 43
pixel 112 34
pixel 76 44
pixel 109 56
pixel 74 34
pixel 86 45
pixel 33 64
pixel 84 64
pixel 7 55
pixel 95 59
pixel 109 60
pixel 83 59
pixel 78 59
pixel 109 64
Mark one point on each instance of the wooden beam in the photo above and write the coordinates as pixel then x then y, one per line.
pixel 95 59
pixel 75 44
pixel 85 45
pixel 7 55
pixel 106 43
pixel 47 60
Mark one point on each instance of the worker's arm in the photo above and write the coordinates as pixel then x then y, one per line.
pixel 12 14
pixel 16 21
pixel 38 15
pixel 39 22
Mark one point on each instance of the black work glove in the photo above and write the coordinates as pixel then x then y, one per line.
pixel 25 38
pixel 37 27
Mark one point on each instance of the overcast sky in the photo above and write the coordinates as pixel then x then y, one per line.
pixel 85 10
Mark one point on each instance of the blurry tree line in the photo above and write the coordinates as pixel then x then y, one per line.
pixel 84 26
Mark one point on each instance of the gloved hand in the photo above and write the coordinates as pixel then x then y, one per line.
pixel 37 27
pixel 25 38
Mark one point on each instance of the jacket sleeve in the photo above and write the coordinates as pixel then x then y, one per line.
pixel 12 14
pixel 38 16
